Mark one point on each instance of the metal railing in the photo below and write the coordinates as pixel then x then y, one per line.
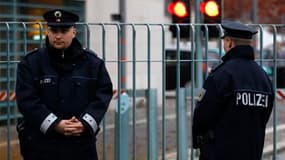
pixel 145 121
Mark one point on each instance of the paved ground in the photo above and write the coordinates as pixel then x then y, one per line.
pixel 280 156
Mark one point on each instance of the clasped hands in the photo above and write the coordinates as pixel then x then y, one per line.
pixel 70 127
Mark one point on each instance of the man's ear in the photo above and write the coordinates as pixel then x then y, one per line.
pixel 74 32
pixel 231 44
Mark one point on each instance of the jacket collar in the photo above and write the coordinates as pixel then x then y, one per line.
pixel 239 52
pixel 71 54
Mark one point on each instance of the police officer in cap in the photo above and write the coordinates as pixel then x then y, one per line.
pixel 235 102
pixel 63 92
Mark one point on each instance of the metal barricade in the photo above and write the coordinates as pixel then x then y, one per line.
pixel 145 120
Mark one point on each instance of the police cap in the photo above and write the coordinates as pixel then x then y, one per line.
pixel 238 30
pixel 60 18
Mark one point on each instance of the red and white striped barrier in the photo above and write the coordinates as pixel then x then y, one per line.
pixel 12 96
pixel 280 94
pixel 3 96
pixel 115 93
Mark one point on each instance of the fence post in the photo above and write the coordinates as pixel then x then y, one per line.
pixel 122 128
pixel 152 124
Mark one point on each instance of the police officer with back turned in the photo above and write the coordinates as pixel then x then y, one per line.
pixel 235 102
pixel 63 92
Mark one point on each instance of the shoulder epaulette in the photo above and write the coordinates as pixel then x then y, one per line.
pixel 90 52
pixel 217 67
pixel 32 52
pixel 35 50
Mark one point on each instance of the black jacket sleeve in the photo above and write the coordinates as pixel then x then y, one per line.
pixel 209 106
pixel 28 100
pixel 97 108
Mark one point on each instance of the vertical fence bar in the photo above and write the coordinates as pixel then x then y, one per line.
pixel 220 41
pixel 274 86
pixel 192 84
pixel 134 92
pixel 118 118
pixel 12 67
pixel 163 137
pixel 148 57
pixel 87 35
pixel 206 47
pixel 104 120
pixel 178 61
pixel 8 93
pixel 198 53
pixel 25 38
pixel 41 34
pixel 260 44
pixel 181 119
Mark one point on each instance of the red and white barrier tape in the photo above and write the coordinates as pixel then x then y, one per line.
pixel 3 96
pixel 280 94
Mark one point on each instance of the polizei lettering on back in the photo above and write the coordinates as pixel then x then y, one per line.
pixel 245 98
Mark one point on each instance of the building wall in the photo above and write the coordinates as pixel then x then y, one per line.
pixel 139 13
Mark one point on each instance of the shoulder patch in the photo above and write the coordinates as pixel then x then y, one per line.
pixel 201 94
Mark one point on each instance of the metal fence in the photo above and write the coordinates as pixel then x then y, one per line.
pixel 149 116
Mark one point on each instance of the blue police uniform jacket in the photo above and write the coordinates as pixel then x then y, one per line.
pixel 233 108
pixel 54 85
